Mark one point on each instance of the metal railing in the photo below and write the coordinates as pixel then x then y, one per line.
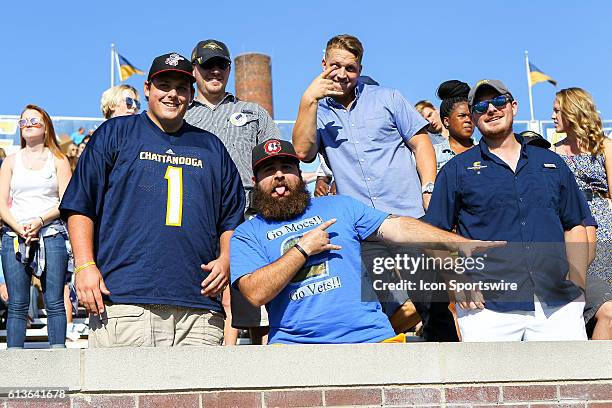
pixel 66 125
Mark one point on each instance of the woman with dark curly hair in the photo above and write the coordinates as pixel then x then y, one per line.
pixel 588 153
pixel 455 115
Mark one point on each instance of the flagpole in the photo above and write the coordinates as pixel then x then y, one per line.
pixel 118 66
pixel 112 66
pixel 529 85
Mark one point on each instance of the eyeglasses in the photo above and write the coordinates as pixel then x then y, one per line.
pixel 219 63
pixel 499 102
pixel 131 102
pixel 36 122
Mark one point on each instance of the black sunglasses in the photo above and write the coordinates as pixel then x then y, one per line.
pixel 219 63
pixel 499 102
pixel 131 102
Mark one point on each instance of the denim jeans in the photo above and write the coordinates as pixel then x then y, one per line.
pixel 18 282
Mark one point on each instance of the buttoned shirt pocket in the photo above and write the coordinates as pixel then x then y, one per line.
pixel 482 193
pixel 380 127
pixel 249 130
pixel 548 186
pixel 246 132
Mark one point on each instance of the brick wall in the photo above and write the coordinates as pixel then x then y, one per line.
pixel 539 395
pixel 539 374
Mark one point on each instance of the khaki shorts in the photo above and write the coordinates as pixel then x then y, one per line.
pixel 124 325
pixel 244 314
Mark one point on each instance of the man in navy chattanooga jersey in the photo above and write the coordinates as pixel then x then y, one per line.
pixel 152 202
pixel 301 256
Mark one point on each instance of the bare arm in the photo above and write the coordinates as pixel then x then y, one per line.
pixel 406 230
pixel 425 157
pixel 592 238
pixel 264 284
pixel 81 231
pixel 305 129
pixel 89 282
pixel 6 173
pixel 219 269
pixel 577 249
pixel 267 282
pixel 608 164
pixel 63 171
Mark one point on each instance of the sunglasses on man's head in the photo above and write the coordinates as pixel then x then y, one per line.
pixel 36 122
pixel 499 102
pixel 131 102
pixel 216 63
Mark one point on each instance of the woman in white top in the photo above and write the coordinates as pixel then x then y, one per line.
pixel 33 180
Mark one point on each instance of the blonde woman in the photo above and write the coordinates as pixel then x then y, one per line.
pixel 588 153
pixel 33 237
pixel 120 100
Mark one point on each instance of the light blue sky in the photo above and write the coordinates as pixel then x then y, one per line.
pixel 56 54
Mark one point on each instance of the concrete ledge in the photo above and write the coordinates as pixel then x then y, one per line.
pixel 256 367
pixel 41 369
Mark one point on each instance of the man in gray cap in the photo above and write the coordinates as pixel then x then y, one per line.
pixel 506 189
pixel 241 126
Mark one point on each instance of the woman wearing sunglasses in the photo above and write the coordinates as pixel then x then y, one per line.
pixel 588 153
pixel 455 115
pixel 33 236
pixel 120 100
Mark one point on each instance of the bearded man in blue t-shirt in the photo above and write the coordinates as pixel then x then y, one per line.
pixel 301 257
pixel 151 208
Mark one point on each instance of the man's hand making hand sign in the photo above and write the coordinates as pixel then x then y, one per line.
pixel 317 240
pixel 323 86
pixel 338 80
pixel 264 284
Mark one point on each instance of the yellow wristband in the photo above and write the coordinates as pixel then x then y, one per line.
pixel 81 267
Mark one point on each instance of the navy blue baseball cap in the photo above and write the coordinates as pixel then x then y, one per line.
pixel 171 62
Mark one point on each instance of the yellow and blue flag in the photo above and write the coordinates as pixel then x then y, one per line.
pixel 126 69
pixel 536 75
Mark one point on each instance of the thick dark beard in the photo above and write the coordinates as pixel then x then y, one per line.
pixel 274 209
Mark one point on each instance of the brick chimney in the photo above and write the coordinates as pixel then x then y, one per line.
pixel 253 75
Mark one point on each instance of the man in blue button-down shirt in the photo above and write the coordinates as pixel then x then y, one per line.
pixel 374 141
pixel 367 133
pixel 507 190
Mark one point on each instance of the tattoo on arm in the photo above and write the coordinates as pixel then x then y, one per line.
pixel 378 235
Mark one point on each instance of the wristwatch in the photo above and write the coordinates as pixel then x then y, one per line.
pixel 427 188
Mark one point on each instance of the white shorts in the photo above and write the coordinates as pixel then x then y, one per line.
pixel 546 323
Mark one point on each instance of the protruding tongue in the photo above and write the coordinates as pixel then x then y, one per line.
pixel 280 190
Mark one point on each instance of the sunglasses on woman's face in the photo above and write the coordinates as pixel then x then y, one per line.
pixel 499 102
pixel 36 122
pixel 131 103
